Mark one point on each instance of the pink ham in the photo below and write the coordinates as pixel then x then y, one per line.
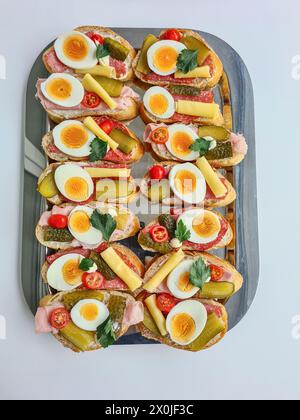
pixel 53 63
pixel 134 314
pixel 213 309
pixel 239 144
pixel 84 252
pixel 42 324
pixel 119 66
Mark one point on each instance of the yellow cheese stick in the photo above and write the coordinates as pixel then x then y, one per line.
pixel 198 72
pixel 156 314
pixel 211 177
pixel 91 85
pixel 164 271
pixel 91 124
pixel 197 109
pixel 122 270
pixel 108 172
pixel 99 71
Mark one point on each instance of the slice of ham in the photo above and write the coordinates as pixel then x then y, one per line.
pixel 83 252
pixel 134 314
pixel 213 309
pixel 42 324
pixel 239 144
pixel 119 66
pixel 64 211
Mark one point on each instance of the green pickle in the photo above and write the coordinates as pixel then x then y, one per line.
pixel 116 306
pixel 167 221
pixel 103 268
pixel 47 188
pixel 57 235
pixel 142 65
pixel 81 339
pixel 116 50
pixel 223 150
pixel 150 324
pixel 217 133
pixel 217 290
pixel 71 299
pixel 111 86
pixel 184 90
pixel 126 143
pixel 146 241
pixel 213 328
pixel 193 43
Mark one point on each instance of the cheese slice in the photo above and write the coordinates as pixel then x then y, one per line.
pixel 202 72
pixel 156 314
pixel 108 172
pixel 122 270
pixel 91 85
pixel 164 271
pixel 197 109
pixel 211 177
pixel 91 124
pixel 106 71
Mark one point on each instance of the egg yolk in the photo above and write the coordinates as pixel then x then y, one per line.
pixel 165 59
pixel 80 222
pixel 74 136
pixel 75 48
pixel 184 284
pixel 158 104
pixel 72 273
pixel 89 311
pixel 205 226
pixel 185 182
pixel 60 89
pixel 77 189
pixel 183 328
pixel 181 143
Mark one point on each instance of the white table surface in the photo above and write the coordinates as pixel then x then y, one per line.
pixel 259 358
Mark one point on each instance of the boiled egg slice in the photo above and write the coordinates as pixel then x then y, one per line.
pixel 159 102
pixel 186 322
pixel 63 90
pixel 73 139
pixel 163 56
pixel 188 183
pixel 204 225
pixel 181 138
pixel 74 183
pixel 179 281
pixel 89 314
pixel 64 274
pixel 76 50
pixel 81 228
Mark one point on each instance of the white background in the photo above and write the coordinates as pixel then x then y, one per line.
pixel 259 358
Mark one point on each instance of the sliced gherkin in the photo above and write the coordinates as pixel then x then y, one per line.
pixel 57 235
pixel 146 241
pixel 169 223
pixel 71 299
pixel 116 50
pixel 82 340
pixel 213 328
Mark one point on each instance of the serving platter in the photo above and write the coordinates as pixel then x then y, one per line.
pixel 235 95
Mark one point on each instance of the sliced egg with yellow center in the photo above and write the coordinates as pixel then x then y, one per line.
pixel 76 50
pixel 186 322
pixel 181 138
pixel 204 225
pixel 64 274
pixel 63 90
pixel 179 281
pixel 81 228
pixel 159 102
pixel 163 56
pixel 74 183
pixel 89 314
pixel 73 139
pixel 188 183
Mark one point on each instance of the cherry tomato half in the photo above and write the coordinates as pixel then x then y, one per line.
pixel 159 234
pixel 91 100
pixel 166 302
pixel 157 172
pixel 160 135
pixel 59 318
pixel 93 281
pixel 172 34
pixel 58 221
pixel 107 126
pixel 216 273
pixel 97 38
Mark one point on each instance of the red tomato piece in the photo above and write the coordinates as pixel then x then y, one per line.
pixel 160 135
pixel 172 34
pixel 58 221
pixel 93 281
pixel 159 234
pixel 157 172
pixel 166 302
pixel 91 100
pixel 97 38
pixel 216 272
pixel 60 318
pixel 107 126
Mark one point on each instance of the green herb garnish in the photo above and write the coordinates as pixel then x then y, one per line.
pixel 201 145
pixel 187 60
pixel 105 223
pixel 102 51
pixel 98 150
pixel 86 264
pixel 182 232
pixel 105 334
pixel 200 273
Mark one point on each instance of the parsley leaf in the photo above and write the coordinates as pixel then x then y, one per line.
pixel 201 145
pixel 200 273
pixel 187 60
pixel 182 233
pixel 105 223
pixel 86 264
pixel 98 150
pixel 105 334
pixel 102 51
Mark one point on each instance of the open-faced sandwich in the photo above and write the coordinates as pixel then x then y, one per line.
pixel 79 141
pixel 91 49
pixel 85 226
pixel 178 57
pixel 84 182
pixel 111 267
pixel 187 143
pixel 66 97
pixel 181 184
pixel 192 229
pixel 88 320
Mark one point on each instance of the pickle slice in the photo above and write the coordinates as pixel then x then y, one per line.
pixel 47 188
pixel 159 191
pixel 196 44
pixel 78 337
pixel 149 323
pixel 126 143
pixel 116 306
pixel 223 150
pixel 116 50
pixel 217 133
pixel 71 299
pixel 217 290
pixel 57 235
pixel 107 189
pixel 103 268
pixel 213 328
pixel 184 90
pixel 161 247
pixel 111 86
pixel 142 65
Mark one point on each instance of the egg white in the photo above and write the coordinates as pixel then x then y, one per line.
pixel 92 236
pixel 84 151
pixel 171 102
pixel 175 128
pixel 64 172
pixel 77 93
pixel 55 277
pixel 195 197
pixel 174 277
pixel 178 46
pixel 188 217
pixel 84 324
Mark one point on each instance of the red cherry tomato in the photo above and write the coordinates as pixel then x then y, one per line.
pixel 107 126
pixel 58 221
pixel 216 272
pixel 91 100
pixel 97 38
pixel 160 135
pixel 93 281
pixel 59 318
pixel 159 234
pixel 166 302
pixel 157 172
pixel 172 34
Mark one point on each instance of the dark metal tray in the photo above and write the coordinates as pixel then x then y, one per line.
pixel 235 95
